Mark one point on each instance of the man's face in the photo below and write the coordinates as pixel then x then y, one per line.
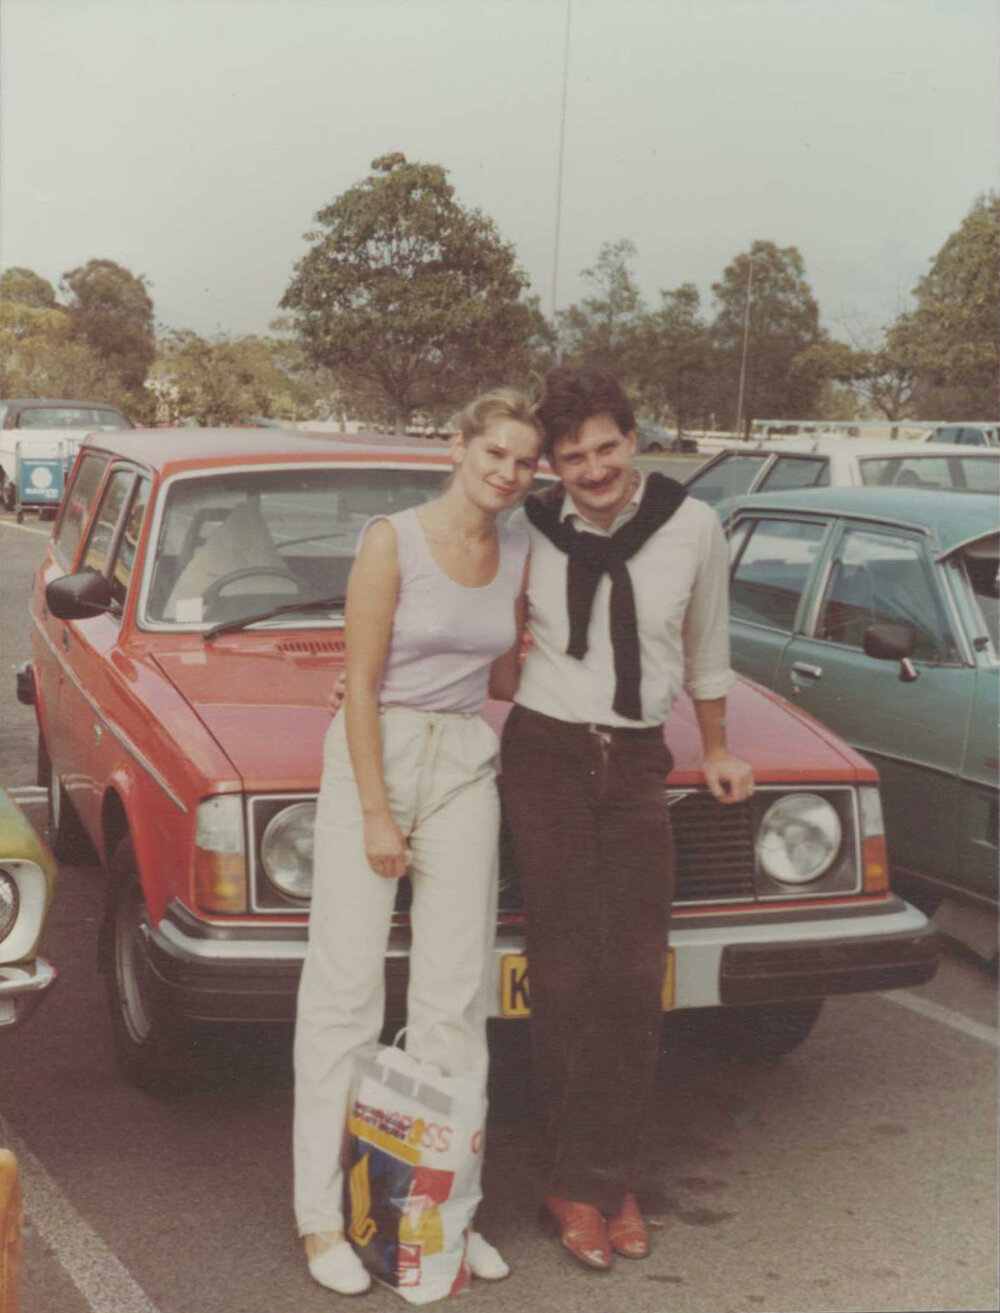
pixel 596 466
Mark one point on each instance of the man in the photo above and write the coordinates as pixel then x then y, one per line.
pixel 626 602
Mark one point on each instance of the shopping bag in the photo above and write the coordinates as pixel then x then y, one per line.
pixel 412 1182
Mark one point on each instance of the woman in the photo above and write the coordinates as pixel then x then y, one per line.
pixel 409 785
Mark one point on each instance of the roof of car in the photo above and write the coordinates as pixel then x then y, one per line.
pixel 828 443
pixel 167 450
pixel 954 517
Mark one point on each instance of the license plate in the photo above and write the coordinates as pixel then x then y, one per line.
pixel 515 998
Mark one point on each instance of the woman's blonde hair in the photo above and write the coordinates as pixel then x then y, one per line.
pixel 499 403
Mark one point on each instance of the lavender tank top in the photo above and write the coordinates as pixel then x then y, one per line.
pixel 445 635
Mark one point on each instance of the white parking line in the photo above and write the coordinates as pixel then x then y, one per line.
pixel 99 1276
pixel 25 528
pixel 975 1029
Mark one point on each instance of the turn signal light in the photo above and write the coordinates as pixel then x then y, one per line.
pixel 874 854
pixel 220 868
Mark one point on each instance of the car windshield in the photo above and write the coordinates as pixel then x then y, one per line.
pixel 234 544
pixel 969 473
pixel 72 417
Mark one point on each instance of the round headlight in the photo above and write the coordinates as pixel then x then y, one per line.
pixel 799 838
pixel 286 850
pixel 9 899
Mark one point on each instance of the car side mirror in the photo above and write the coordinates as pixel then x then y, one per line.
pixel 888 642
pixel 79 596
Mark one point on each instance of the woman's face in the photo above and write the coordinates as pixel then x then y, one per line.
pixel 496 467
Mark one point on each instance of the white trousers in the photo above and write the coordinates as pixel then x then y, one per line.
pixel 440 770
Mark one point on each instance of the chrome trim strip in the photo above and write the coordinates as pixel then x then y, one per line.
pixel 118 733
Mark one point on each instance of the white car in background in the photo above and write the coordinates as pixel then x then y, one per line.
pixel 965 434
pixel 840 461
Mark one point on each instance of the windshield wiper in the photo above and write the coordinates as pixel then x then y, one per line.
pixel 315 604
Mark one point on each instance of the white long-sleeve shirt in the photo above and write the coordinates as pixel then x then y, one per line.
pixel 680 578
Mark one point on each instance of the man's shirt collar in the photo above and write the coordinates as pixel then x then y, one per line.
pixel 580 522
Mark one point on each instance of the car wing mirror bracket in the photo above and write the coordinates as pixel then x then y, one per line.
pixel 890 642
pixel 79 596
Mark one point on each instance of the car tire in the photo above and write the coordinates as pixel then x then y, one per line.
pixel 152 1040
pixel 758 1033
pixel 654 446
pixel 67 837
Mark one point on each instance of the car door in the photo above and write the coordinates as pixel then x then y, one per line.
pixel 772 561
pixel 912 729
pixel 89 711
pixel 50 652
pixel 728 475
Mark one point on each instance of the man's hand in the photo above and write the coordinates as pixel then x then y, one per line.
pixel 728 778
pixel 336 699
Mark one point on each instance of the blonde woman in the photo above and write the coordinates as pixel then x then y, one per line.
pixel 409 787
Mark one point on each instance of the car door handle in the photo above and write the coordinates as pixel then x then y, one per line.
pixel 804 675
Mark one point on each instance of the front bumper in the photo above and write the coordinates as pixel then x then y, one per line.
pixel 22 988
pixel 243 971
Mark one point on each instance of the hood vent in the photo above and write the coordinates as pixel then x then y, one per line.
pixel 311 646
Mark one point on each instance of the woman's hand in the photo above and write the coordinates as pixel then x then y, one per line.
pixel 385 846
pixel 337 693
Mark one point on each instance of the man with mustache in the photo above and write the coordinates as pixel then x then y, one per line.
pixel 626 603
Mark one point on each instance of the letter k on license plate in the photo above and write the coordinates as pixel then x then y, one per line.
pixel 515 999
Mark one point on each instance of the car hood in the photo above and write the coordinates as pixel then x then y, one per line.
pixel 267 706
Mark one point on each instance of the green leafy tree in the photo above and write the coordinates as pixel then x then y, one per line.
pixel 783 322
pixel 602 329
pixel 229 380
pixel 411 300
pixel 881 378
pixel 25 287
pixel 40 355
pixel 673 358
pixel 950 340
pixel 111 311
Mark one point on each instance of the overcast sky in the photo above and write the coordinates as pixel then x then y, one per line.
pixel 193 140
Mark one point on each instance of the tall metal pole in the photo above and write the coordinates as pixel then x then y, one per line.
pixel 746 338
pixel 559 170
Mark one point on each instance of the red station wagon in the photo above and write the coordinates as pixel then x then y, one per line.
pixel 187 626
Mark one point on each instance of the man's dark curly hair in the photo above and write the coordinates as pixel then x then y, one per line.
pixel 573 394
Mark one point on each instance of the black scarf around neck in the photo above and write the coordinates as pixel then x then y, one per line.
pixel 590 555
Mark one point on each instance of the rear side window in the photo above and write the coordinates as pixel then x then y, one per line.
pixel 102 533
pixel 726 478
pixel 79 499
pixel 772 571
pixel 121 575
pixel 796 472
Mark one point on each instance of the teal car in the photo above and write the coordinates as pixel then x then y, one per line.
pixel 27 879
pixel 875 610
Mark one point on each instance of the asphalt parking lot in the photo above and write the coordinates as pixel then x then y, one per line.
pixel 859 1173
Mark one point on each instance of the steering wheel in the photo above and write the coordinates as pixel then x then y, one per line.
pixel 214 590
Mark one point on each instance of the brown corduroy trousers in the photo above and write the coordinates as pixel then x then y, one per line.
pixel 589 824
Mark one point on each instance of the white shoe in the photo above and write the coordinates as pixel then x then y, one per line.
pixel 485 1261
pixel 338 1268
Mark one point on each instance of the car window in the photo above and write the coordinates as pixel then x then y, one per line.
pixel 728 477
pixel 884 578
pixel 797 472
pixel 79 497
pixel 125 556
pixel 977 473
pixel 771 572
pixel 231 544
pixel 71 417
pixel 908 471
pixel 109 511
